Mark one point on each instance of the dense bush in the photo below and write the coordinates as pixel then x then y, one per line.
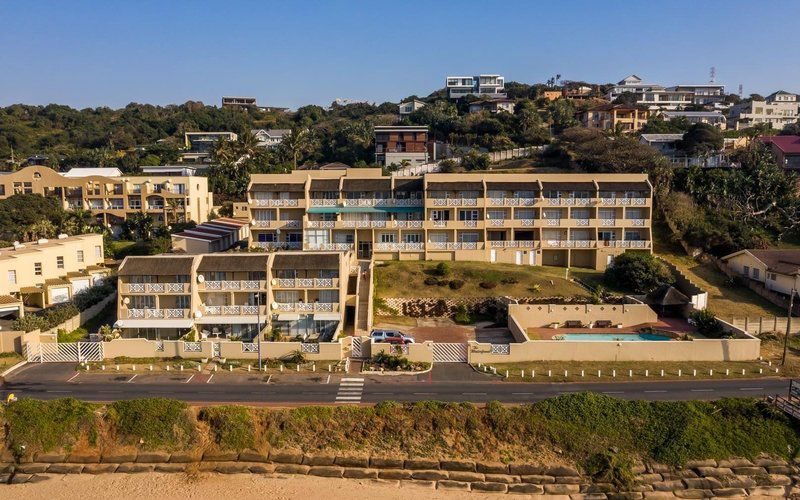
pixel 488 284
pixel 456 284
pixel 391 362
pixel 707 325
pixel 461 315
pixel 41 426
pixel 153 423
pixel 232 427
pixel 46 318
pixel 87 298
pixel 442 269
pixel 638 272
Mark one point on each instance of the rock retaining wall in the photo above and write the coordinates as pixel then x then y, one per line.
pixel 698 479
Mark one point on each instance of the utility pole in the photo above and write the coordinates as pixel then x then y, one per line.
pixel 788 327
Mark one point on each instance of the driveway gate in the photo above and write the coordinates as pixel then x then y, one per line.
pixel 449 352
pixel 65 352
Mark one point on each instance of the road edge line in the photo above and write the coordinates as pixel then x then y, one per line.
pixel 14 368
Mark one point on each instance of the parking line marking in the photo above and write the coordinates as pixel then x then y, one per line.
pixel 702 390
pixel 189 379
pixel 72 377
pixel 655 391
pixel 521 393
pixel 613 392
pixel 131 379
pixel 269 378
pixel 329 380
pixel 473 393
pixel 209 379
pixel 751 388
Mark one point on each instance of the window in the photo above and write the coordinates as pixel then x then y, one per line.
pixel 80 255
pixel 142 302
pixel 496 214
pixel 12 277
pixel 287 297
pixel 387 237
pixel 440 215
pixel 60 262
pixel 606 235
pixel 468 237
pixel 183 301
pixel 632 236
pixel 98 251
pixel 37 268
pixel 756 273
pixel 412 238
pixel 746 270
pixel 467 215
pixel 772 276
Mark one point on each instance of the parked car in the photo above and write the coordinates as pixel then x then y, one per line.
pixel 391 337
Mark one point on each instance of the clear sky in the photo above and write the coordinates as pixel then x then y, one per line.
pixel 88 53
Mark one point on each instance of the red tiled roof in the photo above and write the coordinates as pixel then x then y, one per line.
pixel 786 143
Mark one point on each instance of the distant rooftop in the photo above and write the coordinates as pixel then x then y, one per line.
pixel 662 137
pixel 87 172
pixel 786 143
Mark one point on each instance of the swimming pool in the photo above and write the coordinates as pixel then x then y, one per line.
pixel 611 337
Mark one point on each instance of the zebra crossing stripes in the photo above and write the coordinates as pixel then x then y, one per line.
pixel 350 390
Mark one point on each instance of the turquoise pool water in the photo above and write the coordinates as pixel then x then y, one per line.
pixel 612 337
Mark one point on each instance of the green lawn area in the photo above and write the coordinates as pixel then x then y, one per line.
pixel 725 301
pixel 9 359
pixel 407 279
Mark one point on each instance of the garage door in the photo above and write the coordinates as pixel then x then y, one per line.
pixel 79 285
pixel 58 295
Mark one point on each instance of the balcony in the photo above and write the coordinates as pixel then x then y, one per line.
pixel 289 202
pixel 332 247
pixel 157 313
pixel 320 224
pixel 277 224
pixel 607 222
pixel 514 244
pixel 455 202
pixel 512 202
pixel 569 243
pixel 279 245
pixel 306 282
pixel 306 307
pixel 324 202
pixel 235 310
pixel 180 288
pixel 381 202
pixel 625 244
pixel 233 285
pixel 407 224
pixel 624 201
pixel 499 222
pixel 362 224
pixel 446 245
pixel 525 222
pixel 399 247
pixel 634 222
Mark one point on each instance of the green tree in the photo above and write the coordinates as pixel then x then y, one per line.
pixel 702 139
pixel 20 215
pixel 297 143
pixel 638 272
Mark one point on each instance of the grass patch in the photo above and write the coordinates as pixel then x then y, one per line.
pixel 423 279
pixel 156 423
pixel 232 427
pixel 9 359
pixel 73 336
pixel 41 426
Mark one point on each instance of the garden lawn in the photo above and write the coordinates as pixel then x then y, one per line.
pixel 725 301
pixel 407 279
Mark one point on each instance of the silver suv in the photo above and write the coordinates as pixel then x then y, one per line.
pixel 390 337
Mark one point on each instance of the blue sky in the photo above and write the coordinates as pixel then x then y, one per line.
pixel 290 53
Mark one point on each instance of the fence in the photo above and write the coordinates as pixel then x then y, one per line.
pixel 494 157
pixel 759 325
pixel 65 352
pixel 779 300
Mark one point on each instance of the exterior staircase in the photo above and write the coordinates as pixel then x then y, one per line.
pixel 363 320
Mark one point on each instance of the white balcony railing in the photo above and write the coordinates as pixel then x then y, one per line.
pixel 279 245
pixel 335 247
pixel 307 282
pixel 553 222
pixel 446 245
pixel 320 224
pixel 323 202
pixel 411 224
pixel 234 285
pixel 292 202
pixel 400 247
pixel 455 202
pixel 307 306
pixel 171 313
pixel 513 202
pixel 526 222
pixel 636 222
pixel 581 222
pixel 497 222
pixel 608 222
pixel 513 244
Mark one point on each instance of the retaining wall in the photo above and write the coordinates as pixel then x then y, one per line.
pixel 763 477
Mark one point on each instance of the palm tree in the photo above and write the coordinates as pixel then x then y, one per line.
pixel 80 220
pixel 40 229
pixel 296 143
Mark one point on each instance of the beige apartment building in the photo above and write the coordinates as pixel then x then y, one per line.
pixel 301 294
pixel 579 220
pixel 48 272
pixel 112 199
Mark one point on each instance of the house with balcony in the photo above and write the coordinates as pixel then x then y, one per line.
pixel 405 108
pixel 714 118
pixel 238 102
pixel 487 85
pixel 47 272
pixel 303 295
pixel 669 146
pixel 401 145
pixel 493 106
pixel 524 219
pixel 270 138
pixel 777 110
pixel 199 145
pixel 658 97
pixel 166 198
pixel 612 116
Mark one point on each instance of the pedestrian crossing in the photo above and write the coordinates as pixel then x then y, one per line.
pixel 350 390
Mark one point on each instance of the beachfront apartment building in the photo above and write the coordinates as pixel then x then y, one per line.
pixel 401 144
pixel 582 220
pixel 301 294
pixel 111 200
pixel 480 85
pixel 46 272
pixel 778 110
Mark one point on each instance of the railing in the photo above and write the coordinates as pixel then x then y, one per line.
pixel 628 244
pixel 292 202
pixel 272 245
pixel 171 313
pixel 570 243
pixel 400 247
pixel 526 222
pixel 336 247
pixel 455 202
pixel 446 245
pixel 363 223
pixel 608 222
pixel 192 347
pixel 307 306
pixel 233 310
pixel 321 224
pixel 624 201
pixel 470 223
pixel 381 202
pixel 233 285
pixel 323 202
pixel 307 282
pixel 553 222
pixel 560 201
pixel 439 223
pixel 513 244
pixel 513 202
pixel 408 223
pixel 581 222
pixel 636 222
pixel 497 222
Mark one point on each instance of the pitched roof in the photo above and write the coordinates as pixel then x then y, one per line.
pixel 786 143
pixel 242 262
pixel 779 261
pixel 306 261
pixel 667 295
pixel 156 265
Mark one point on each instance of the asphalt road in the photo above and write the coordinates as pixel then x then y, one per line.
pixel 447 382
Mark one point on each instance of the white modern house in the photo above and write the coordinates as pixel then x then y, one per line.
pixel 408 107
pixel 778 110
pixel 677 97
pixel 269 138
pixel 481 85
pixel 668 145
pixel 714 118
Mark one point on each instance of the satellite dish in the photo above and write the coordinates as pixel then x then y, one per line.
pixel 200 278
pixel 274 305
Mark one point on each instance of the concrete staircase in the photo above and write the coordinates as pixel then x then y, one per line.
pixel 363 322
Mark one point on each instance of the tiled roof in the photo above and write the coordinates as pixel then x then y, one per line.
pixel 779 261
pixel 786 143
pixel 8 299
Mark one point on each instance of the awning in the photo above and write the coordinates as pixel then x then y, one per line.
pixel 363 210
pixel 229 320
pixel 327 317
pixel 288 317
pixel 153 323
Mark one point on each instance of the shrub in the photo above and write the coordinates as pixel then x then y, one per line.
pixel 456 284
pixel 488 284
pixel 535 288
pixel 90 296
pixel 295 357
pixel 509 280
pixel 610 467
pixel 153 423
pixel 431 281
pixel 707 325
pixel 232 427
pixel 392 362
pixel 638 272
pixel 46 318
pixel 461 315
pixel 442 269
pixel 41 426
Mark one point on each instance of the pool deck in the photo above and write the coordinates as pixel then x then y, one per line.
pixel 677 325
